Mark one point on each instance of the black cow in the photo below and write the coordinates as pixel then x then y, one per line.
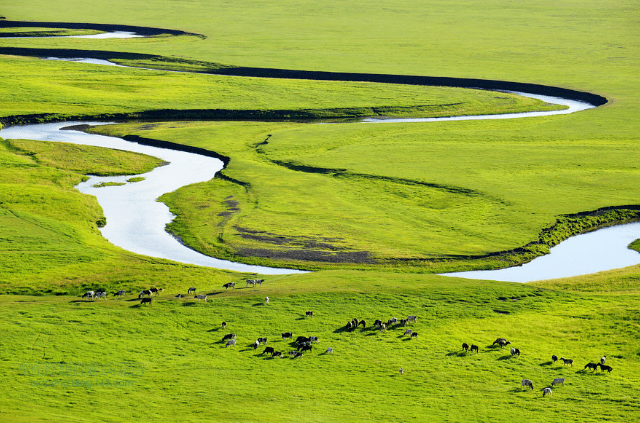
pixel 262 340
pixel 146 301
pixel 301 339
pixel 604 367
pixel 287 335
pixel 305 347
pixel 268 350
pixel 465 347
pixel 309 314
pixel 229 285
pixel 474 348
pixel 592 366
pixel 229 336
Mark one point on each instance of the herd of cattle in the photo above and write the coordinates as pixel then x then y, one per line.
pixel 502 342
pixel 304 343
pixel 145 296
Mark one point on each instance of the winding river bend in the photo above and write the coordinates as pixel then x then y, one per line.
pixel 136 221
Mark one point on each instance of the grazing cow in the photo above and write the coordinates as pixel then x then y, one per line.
pixel 377 323
pixel 146 301
pixel 527 382
pixel 190 290
pixel 408 332
pixel 201 297
pixel 262 340
pixel 502 342
pixel 301 339
pixel 231 342
pixel 383 327
pixel 305 347
pixel 567 361
pixel 101 294
pixel 313 339
pixel 363 323
pixel 412 318
pixel 120 293
pixel 389 323
pixel 604 367
pixel 277 354
pixel 89 294
pixel 229 285
pixel 256 345
pixel 251 282
pixel 179 295
pixel 592 366
pixel 144 292
pixel 330 350
pixel 403 322
pixel 394 320
pixel 401 371
pixel 156 291
pixel 414 335
pixel 603 359
pixel 465 346
pixel 224 325
pixel 309 314
pixel 515 351
pixel 355 322
pixel 557 381
pixel 554 358
pixel 268 350
pixel 266 301
pixel 229 336
pixel 474 348
pixel 286 335
pixel 546 391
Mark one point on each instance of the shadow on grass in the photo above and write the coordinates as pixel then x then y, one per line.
pixel 505 357
pixel 547 363
pixel 457 354
pixel 189 303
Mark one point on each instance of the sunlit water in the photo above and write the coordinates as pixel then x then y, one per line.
pixel 102 35
pixel 593 252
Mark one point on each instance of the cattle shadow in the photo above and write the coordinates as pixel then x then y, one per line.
pixel 82 301
pixel 342 329
pixel 301 318
pixel 189 304
pixel 458 354
pixel 504 357
pixel 547 363
pixel 215 330
pixel 257 304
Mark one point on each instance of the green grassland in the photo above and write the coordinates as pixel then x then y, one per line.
pixel 417 198
pixel 178 365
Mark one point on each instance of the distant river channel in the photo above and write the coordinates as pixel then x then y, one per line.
pixel 136 221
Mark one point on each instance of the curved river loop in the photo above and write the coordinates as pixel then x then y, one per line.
pixel 137 221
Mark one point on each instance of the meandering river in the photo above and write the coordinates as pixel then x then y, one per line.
pixel 136 221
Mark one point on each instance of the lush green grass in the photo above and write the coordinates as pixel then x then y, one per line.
pixel 34 87
pixel 495 186
pixel 394 191
pixel 180 365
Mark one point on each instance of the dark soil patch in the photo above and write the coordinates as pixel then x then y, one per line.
pixel 311 255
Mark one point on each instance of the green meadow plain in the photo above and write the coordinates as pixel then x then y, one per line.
pixel 409 200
